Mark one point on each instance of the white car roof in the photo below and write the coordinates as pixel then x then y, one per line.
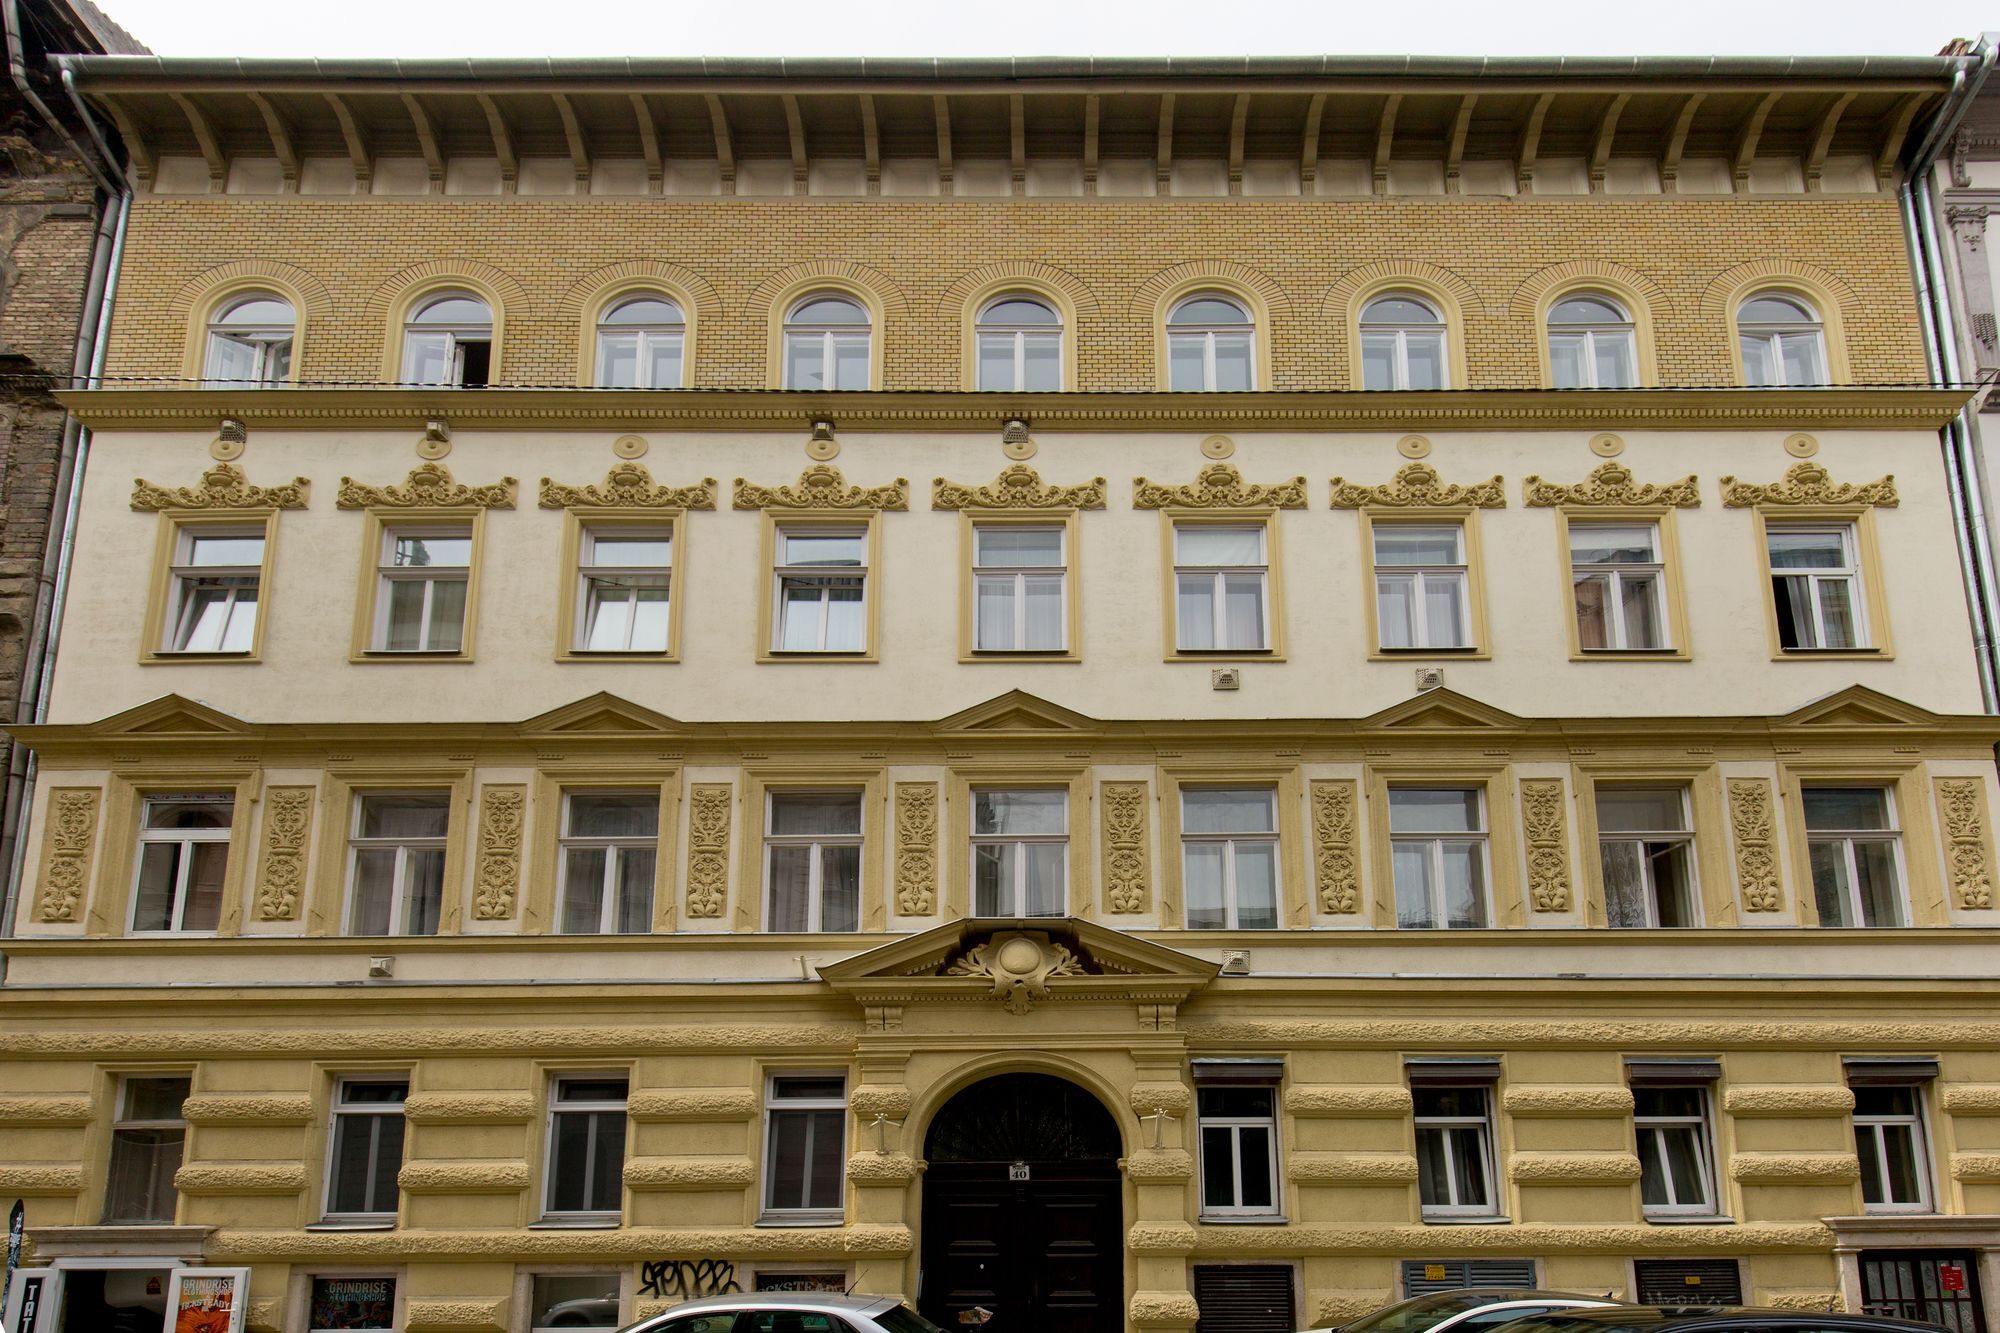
pixel 787 1300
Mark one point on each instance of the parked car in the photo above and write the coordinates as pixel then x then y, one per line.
pixel 1468 1309
pixel 788 1312
pixel 1711 1319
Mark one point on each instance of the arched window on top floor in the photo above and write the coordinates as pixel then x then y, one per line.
pixel 1591 343
pixel 641 343
pixel 250 343
pixel 1782 339
pixel 1402 344
pixel 449 341
pixel 1211 344
pixel 1020 344
pixel 827 343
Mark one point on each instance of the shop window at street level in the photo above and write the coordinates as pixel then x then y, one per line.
pixel 563 1301
pixel 148 1140
pixel 586 1169
pixel 805 1148
pixel 339 1304
pixel 812 861
pixel 366 1149
pixel 183 856
pixel 609 858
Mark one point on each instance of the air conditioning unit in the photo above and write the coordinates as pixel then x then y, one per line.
pixel 1225 678
pixel 1235 962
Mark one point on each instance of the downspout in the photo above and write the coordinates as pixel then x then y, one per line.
pixel 1964 486
pixel 17 70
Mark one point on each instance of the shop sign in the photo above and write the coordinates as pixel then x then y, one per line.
pixel 353 1302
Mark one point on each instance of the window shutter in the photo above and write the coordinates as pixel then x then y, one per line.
pixel 1237 1071
pixel 1889 1073
pixel 1688 1281
pixel 1672 1071
pixel 1244 1298
pixel 1421 1277
pixel 1451 1071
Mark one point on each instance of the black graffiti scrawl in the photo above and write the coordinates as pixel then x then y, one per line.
pixel 685 1279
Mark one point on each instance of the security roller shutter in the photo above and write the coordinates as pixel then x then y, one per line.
pixel 1688 1281
pixel 1244 1298
pixel 1421 1277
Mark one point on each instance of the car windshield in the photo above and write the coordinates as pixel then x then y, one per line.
pixel 902 1319
pixel 1557 1322
pixel 1419 1312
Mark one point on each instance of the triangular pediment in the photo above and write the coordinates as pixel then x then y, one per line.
pixel 1857 706
pixel 171 715
pixel 1441 710
pixel 1088 950
pixel 1017 711
pixel 602 713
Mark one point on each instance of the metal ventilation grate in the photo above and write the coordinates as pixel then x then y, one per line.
pixel 1688 1281
pixel 1424 1276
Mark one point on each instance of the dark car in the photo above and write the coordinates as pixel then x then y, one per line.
pixel 1710 1319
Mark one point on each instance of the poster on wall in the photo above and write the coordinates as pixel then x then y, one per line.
pixel 207 1300
pixel 342 1303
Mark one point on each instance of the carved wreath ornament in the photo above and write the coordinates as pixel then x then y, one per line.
pixel 1808 483
pixel 221 487
pixel 429 486
pixel 1019 964
pixel 1219 486
pixel 1612 484
pixel 1017 487
pixel 821 486
pixel 629 486
pixel 1417 487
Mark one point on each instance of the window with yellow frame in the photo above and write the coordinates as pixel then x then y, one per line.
pixel 211 579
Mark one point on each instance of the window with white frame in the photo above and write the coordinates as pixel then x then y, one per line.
pixel 148 1139
pixel 1019 345
pixel 1211 345
pixel 448 342
pixel 812 861
pixel 1618 581
pixel 562 1301
pixel 624 578
pixel 822 590
pixel 396 851
pixel 1020 852
pixel 1783 342
pixel 1454 1126
pixel 1856 855
pixel 1816 586
pixel 1894 1150
pixel 1222 581
pixel 639 344
pixel 1238 1133
pixel 1423 596
pixel 1438 855
pixel 1591 344
pixel 805 1147
pixel 586 1146
pixel 1676 1164
pixel 1402 344
pixel 827 344
pixel 609 856
pixel 1229 857
pixel 214 587
pixel 1645 839
pixel 183 854
pixel 424 575
pixel 250 343
pixel 365 1149
pixel 1019 573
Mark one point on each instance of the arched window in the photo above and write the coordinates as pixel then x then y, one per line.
pixel 639 344
pixel 1020 345
pixel 1591 344
pixel 1211 344
pixel 826 344
pixel 1402 344
pixel 1782 341
pixel 449 341
pixel 250 343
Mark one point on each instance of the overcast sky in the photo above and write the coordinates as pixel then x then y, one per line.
pixel 1048 27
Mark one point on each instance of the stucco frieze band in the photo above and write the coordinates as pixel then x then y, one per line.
pixel 1982 1168
pixel 1417 486
pixel 1018 486
pixel 1219 486
pixel 628 486
pixel 1400 1239
pixel 429 486
pixel 223 486
pixel 1808 483
pixel 1611 484
pixel 415 1039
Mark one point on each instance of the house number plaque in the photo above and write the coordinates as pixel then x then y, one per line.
pixel 1017 1171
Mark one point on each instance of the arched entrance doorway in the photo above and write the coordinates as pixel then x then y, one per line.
pixel 1022 1209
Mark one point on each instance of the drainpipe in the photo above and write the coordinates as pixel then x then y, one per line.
pixel 17 70
pixel 1964 485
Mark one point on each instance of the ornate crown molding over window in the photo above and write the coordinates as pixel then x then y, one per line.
pixel 1808 483
pixel 1612 484
pixel 708 848
pixel 66 850
pixel 629 486
pixel 1125 871
pixel 223 486
pixel 1961 805
pixel 1017 487
pixel 281 877
pixel 1417 487
pixel 429 486
pixel 1337 868
pixel 1547 835
pixel 821 487
pixel 502 811
pixel 1219 486
pixel 916 848
pixel 1756 859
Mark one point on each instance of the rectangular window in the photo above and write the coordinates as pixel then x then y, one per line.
pixel 812 861
pixel 805 1148
pixel 423 577
pixel 561 1301
pixel 1646 847
pixel 1618 579
pixel 340 1303
pixel 1018 595
pixel 1437 848
pixel 1020 853
pixel 822 588
pixel 1454 1150
pixel 623 585
pixel 1889 1138
pixel 1676 1172
pixel 183 854
pixel 366 1150
pixel 1856 855
pixel 1239 1151
pixel 1816 587
pixel 1422 589
pixel 396 863
pixel 1229 858
pixel 214 587
pixel 147 1141
pixel 586 1147
pixel 1221 588
pixel 610 849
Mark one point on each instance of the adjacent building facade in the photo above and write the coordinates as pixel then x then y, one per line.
pixel 1139 695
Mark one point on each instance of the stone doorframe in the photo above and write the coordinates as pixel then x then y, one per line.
pixel 1979 1233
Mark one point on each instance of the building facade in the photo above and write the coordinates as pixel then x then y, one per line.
pixel 1140 696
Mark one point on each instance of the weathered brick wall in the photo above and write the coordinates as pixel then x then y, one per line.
pixel 1688 249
